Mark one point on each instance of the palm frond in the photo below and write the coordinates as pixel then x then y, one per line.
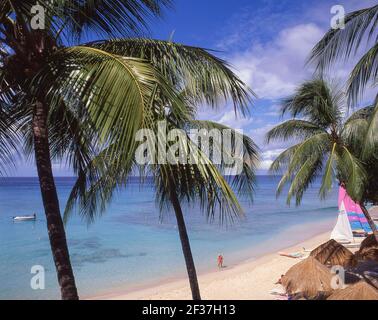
pixel 281 162
pixel 328 173
pixel 315 145
pixel 72 136
pixel 316 102
pixel 303 178
pixel 195 71
pixel 341 43
pixel 96 185
pixel 9 140
pixel 293 129
pixel 302 163
pixel 110 17
pixel 353 173
pixel 246 155
pixel 68 20
pixel 364 71
pixel 370 144
pixel 114 90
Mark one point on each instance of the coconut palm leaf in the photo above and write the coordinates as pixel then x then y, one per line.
pixel 365 71
pixel 114 90
pixel 301 168
pixel 282 160
pixel 200 182
pixel 197 72
pixel 302 162
pixel 371 141
pixel 352 170
pixel 119 17
pixel 303 178
pixel 9 140
pixel 293 129
pixel 315 145
pixel 342 43
pixel 71 19
pixel 243 181
pixel 353 134
pixel 315 101
pixel 328 173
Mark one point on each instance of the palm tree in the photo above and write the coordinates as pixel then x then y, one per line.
pixel 325 145
pixel 204 183
pixel 70 99
pixel 201 182
pixel 358 35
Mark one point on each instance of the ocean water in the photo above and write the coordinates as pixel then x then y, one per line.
pixel 132 246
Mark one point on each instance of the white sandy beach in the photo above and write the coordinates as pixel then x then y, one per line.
pixel 249 280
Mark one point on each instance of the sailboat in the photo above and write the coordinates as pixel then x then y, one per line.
pixel 25 218
pixel 351 221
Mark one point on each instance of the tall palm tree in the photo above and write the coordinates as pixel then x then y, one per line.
pixel 70 99
pixel 360 34
pixel 200 182
pixel 176 184
pixel 325 144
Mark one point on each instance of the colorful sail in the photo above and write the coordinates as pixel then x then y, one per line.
pixel 351 219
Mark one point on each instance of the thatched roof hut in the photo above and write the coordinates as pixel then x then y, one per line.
pixel 368 249
pixel 309 278
pixel 358 291
pixel 369 242
pixel 371 278
pixel 333 253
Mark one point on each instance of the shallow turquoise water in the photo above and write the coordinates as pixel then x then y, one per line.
pixel 130 246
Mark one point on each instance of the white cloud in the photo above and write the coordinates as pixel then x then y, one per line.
pixel 237 122
pixel 267 158
pixel 275 68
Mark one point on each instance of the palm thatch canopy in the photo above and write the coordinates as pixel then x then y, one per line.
pixel 333 253
pixel 371 278
pixel 358 291
pixel 368 249
pixel 369 242
pixel 309 278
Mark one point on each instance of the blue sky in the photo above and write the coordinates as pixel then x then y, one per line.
pixel 266 42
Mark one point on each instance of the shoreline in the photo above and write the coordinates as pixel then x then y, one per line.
pixel 251 279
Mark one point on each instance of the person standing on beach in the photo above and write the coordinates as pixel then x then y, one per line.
pixel 220 261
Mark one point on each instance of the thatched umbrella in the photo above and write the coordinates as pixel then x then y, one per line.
pixel 371 278
pixel 308 278
pixel 333 253
pixel 358 291
pixel 369 242
pixel 368 249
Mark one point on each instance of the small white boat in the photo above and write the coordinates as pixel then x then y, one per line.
pixel 25 218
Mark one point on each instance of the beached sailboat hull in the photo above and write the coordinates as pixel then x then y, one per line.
pixel 24 218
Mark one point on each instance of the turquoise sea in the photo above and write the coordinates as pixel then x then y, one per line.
pixel 131 246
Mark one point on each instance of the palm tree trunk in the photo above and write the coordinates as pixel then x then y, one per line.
pixel 370 221
pixel 190 267
pixel 55 225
